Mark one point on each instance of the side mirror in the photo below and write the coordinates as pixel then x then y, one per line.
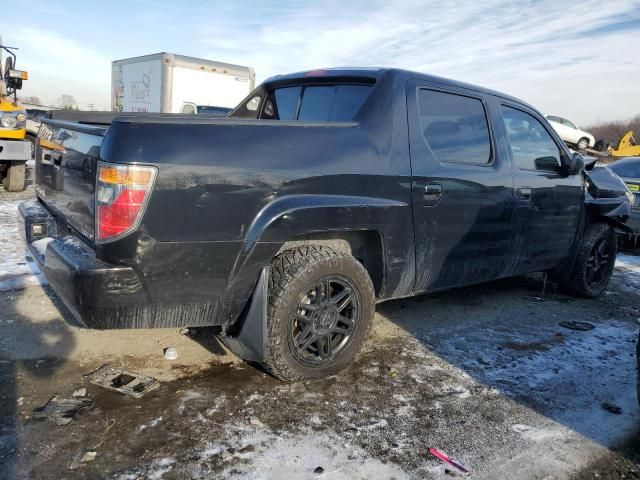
pixel 576 164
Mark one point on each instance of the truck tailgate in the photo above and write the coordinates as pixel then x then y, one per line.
pixel 66 159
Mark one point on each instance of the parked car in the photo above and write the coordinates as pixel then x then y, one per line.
pixel 321 194
pixel 571 133
pixel 629 170
pixel 190 108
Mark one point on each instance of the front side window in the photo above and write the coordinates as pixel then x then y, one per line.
pixel 569 124
pixel 188 110
pixel 455 127
pixel 531 145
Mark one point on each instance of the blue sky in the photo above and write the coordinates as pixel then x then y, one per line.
pixel 574 59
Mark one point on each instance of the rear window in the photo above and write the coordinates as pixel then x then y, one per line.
pixel 316 103
pixel 629 169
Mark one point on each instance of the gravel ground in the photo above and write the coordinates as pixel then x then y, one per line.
pixel 485 374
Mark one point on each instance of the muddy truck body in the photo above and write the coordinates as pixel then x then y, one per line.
pixel 321 194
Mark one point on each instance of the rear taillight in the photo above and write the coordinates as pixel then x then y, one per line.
pixel 122 192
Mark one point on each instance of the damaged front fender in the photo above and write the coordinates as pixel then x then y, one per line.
pixel 607 197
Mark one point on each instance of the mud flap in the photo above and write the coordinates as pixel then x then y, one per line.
pixel 250 341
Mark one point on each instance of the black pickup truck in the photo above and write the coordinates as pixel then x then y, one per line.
pixel 321 194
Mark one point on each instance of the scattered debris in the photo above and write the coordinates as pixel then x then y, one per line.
pixel 123 381
pixel 88 457
pixel 319 470
pixel 574 325
pixel 20 401
pixel 81 392
pixel 438 454
pixel 226 455
pixel 534 298
pixel 189 332
pixel 153 423
pixel 247 449
pixel 62 410
pixel 393 373
pixel 109 424
pixel 611 408
pixel 255 421
pixel 520 428
pixel 170 353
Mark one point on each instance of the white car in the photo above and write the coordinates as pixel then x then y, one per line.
pixel 571 133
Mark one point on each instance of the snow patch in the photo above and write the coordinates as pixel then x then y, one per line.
pixel 159 467
pixel 17 268
pixel 153 423
pixel 299 455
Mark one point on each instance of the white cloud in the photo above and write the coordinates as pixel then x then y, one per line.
pixel 57 65
pixel 540 51
pixel 569 58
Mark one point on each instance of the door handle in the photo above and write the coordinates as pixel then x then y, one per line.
pixel 432 194
pixel 524 193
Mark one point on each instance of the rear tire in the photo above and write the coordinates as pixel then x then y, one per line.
pixel 15 179
pixel 583 143
pixel 321 308
pixel 594 263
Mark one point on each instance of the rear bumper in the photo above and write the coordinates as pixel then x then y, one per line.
pixel 15 150
pixel 98 294
pixel 107 296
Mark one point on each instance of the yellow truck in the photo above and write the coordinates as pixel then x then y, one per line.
pixel 627 147
pixel 14 149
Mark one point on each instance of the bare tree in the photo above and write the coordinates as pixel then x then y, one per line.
pixel 611 132
pixel 32 100
pixel 67 102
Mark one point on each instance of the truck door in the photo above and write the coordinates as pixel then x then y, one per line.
pixel 548 202
pixel 462 189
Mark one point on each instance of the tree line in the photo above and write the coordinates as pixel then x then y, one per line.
pixel 611 132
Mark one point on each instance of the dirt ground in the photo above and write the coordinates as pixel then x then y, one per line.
pixel 485 374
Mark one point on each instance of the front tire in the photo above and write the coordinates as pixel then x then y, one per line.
pixel 15 179
pixel 595 261
pixel 321 308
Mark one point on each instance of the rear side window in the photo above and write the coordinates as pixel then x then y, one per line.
pixel 455 127
pixel 629 169
pixel 531 145
pixel 316 103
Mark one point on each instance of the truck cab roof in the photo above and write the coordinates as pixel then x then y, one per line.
pixel 376 73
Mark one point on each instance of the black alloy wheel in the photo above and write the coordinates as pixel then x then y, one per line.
pixel 327 316
pixel 598 263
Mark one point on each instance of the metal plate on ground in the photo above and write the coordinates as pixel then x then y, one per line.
pixel 123 381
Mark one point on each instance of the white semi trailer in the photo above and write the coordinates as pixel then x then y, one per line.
pixel 164 82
